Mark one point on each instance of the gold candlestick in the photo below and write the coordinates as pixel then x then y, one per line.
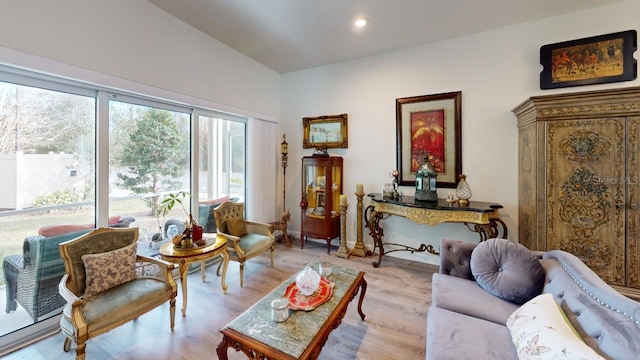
pixel 343 250
pixel 359 249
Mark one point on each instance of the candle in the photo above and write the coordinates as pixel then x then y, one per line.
pixel 359 189
pixel 343 200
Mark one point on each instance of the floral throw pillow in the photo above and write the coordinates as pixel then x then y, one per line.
pixel 109 269
pixel 540 330
pixel 237 227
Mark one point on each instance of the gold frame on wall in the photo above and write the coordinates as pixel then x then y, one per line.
pixel 329 131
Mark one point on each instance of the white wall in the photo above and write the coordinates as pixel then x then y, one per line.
pixel 134 46
pixel 495 71
pixel 139 42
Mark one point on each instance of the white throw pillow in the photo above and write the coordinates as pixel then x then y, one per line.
pixel 540 330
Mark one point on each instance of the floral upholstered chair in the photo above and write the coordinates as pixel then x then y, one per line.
pixel 106 284
pixel 32 277
pixel 245 239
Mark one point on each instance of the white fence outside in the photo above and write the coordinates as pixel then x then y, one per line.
pixel 27 176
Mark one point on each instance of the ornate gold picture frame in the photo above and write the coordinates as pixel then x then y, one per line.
pixel 329 131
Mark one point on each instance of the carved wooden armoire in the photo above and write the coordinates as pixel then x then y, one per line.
pixel 579 180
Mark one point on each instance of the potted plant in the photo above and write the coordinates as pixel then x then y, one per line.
pixel 193 232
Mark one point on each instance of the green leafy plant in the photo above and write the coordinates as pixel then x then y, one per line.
pixel 167 204
pixel 170 200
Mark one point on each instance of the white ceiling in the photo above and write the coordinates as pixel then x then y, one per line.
pixel 290 35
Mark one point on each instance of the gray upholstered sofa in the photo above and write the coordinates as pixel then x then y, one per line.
pixel 467 322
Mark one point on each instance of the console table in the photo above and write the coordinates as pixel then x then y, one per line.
pixel 479 217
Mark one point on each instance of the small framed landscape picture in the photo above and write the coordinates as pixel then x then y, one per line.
pixel 328 131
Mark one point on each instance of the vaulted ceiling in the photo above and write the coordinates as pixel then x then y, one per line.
pixel 290 35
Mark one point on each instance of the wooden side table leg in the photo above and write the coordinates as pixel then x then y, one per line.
pixel 183 282
pixel 225 263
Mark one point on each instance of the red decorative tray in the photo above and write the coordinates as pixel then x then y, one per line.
pixel 297 301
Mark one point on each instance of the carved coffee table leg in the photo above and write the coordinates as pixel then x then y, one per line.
pixel 221 350
pixel 363 289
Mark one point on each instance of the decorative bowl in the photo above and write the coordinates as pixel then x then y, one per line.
pixel 307 281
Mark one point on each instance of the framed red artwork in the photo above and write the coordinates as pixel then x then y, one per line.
pixel 429 124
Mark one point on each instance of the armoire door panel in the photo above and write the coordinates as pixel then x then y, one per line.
pixel 527 213
pixel 585 163
pixel 632 181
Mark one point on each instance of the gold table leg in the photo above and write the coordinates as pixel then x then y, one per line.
pixel 225 263
pixel 183 267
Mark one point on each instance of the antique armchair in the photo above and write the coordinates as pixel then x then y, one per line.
pixel 32 277
pixel 106 284
pixel 245 239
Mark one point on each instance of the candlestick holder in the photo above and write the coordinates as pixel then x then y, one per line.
pixel 359 249
pixel 343 250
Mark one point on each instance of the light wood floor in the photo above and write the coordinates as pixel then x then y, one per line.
pixel 395 305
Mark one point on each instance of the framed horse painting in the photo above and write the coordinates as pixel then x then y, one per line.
pixel 593 60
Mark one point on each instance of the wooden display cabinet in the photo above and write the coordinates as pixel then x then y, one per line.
pixel 320 203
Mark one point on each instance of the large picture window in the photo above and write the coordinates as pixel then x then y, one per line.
pixel 74 155
pixel 222 158
pixel 47 162
pixel 149 157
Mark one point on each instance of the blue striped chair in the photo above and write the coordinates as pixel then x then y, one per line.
pixel 32 277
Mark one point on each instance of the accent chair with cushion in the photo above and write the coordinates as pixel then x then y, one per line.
pixel 107 284
pixel 32 277
pixel 245 239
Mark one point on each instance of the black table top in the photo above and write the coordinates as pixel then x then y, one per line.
pixel 442 204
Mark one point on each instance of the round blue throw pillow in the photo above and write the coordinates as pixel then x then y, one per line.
pixel 507 270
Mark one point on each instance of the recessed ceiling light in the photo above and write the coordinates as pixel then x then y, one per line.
pixel 362 22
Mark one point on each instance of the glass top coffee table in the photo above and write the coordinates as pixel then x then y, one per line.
pixel 304 333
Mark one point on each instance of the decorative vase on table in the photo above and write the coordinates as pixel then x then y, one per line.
pixel 307 281
pixel 463 191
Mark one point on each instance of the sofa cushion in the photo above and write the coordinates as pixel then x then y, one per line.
pixel 455 256
pixel 507 270
pixel 540 329
pixel 454 336
pixel 463 296
pixel 55 230
pixel 110 269
pixel 237 227
pixel 98 310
